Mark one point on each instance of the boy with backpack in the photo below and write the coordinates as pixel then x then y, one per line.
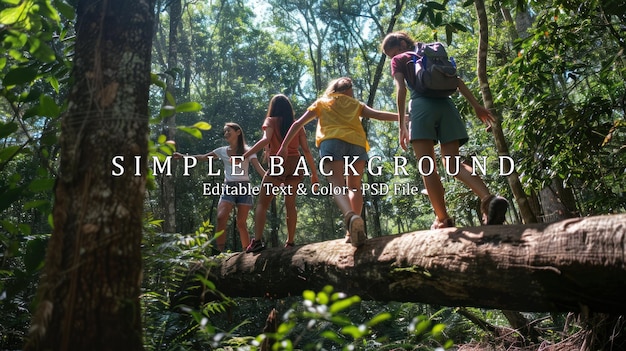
pixel 424 70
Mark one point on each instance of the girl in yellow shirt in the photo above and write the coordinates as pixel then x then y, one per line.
pixel 343 148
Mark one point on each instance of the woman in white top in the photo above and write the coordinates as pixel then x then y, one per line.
pixel 236 189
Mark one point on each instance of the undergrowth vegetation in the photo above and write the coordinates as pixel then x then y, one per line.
pixel 317 320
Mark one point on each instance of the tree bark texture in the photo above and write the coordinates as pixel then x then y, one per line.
pixel 575 265
pixel 167 183
pixel 88 296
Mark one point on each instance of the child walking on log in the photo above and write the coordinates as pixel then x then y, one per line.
pixel 233 178
pixel 435 120
pixel 279 118
pixel 343 148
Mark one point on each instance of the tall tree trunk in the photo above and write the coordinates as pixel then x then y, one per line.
pixel 523 22
pixel 88 296
pixel 168 186
pixel 503 149
pixel 557 202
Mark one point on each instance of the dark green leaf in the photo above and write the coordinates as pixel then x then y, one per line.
pixel 423 14
pixel 20 75
pixel 35 253
pixel 41 185
pixel 8 152
pixel 66 10
pixel 449 31
pixel 436 6
pixel 431 16
pixel 458 26
pixel 9 196
pixel 36 204
pixel 44 53
pixel 438 19
pixel 7 129
pixel 48 107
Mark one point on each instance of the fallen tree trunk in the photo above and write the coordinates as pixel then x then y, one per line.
pixel 574 265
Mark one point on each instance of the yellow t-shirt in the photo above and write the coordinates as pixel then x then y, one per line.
pixel 338 117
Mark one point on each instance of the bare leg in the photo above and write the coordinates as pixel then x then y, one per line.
pixel 260 214
pixel 493 208
pixel 348 201
pixel 354 183
pixel 432 182
pixel 464 174
pixel 337 179
pixel 242 225
pixel 290 210
pixel 224 208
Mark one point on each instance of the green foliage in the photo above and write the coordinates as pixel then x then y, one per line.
pixel 31 71
pixel 170 324
pixel 437 15
pixel 567 85
pixel 33 67
pixel 20 263
pixel 322 320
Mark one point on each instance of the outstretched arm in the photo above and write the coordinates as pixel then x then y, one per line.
pixel 380 115
pixel 294 129
pixel 483 114
pixel 267 133
pixel 304 144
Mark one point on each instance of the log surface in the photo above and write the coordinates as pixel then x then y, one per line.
pixel 574 265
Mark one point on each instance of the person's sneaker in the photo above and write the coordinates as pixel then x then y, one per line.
pixel 356 229
pixel 494 209
pixel 255 246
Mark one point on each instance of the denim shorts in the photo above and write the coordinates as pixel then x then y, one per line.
pixel 437 119
pixel 337 149
pixel 235 194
